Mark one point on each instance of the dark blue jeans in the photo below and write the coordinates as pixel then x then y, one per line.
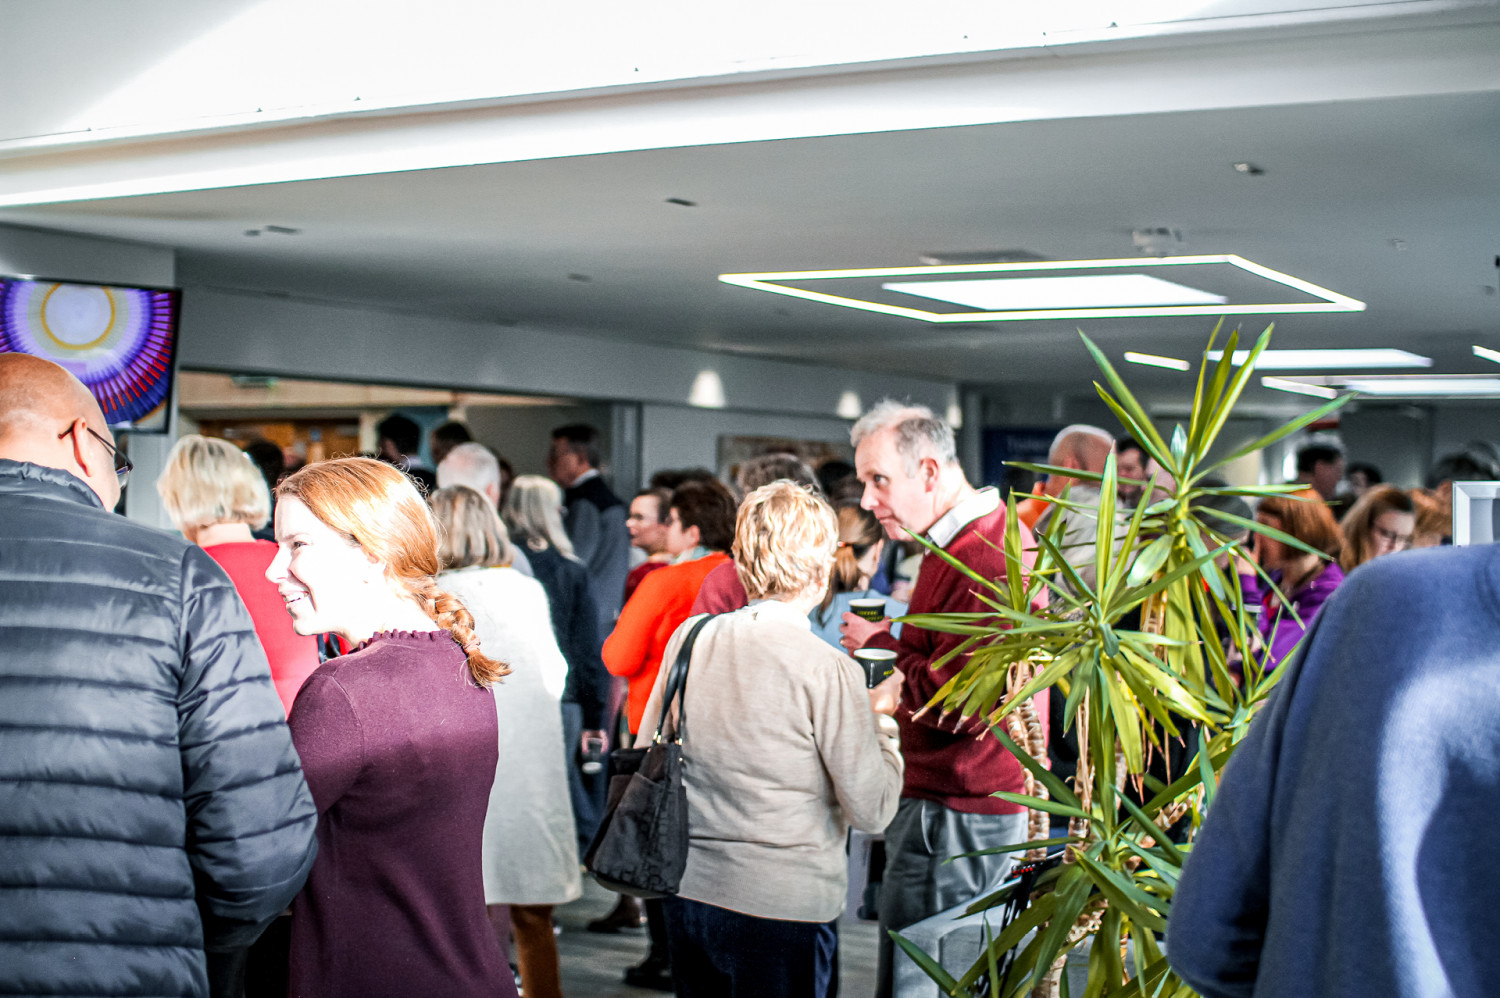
pixel 586 792
pixel 718 953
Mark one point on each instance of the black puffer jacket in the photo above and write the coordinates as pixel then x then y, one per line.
pixel 151 803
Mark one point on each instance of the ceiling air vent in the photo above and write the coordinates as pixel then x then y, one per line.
pixel 959 258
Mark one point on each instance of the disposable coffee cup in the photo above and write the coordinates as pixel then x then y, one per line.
pixel 871 608
pixel 877 663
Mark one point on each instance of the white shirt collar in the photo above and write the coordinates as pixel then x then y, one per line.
pixel 774 609
pixel 977 506
pixel 591 473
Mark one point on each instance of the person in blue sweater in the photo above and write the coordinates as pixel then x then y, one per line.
pixel 1350 849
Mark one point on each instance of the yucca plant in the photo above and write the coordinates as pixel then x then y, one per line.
pixel 1146 654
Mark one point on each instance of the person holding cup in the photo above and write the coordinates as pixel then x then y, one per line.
pixel 861 543
pixel 786 749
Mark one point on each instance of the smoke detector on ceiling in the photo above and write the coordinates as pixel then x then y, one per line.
pixel 1161 240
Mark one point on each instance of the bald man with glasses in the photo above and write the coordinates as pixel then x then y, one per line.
pixel 153 814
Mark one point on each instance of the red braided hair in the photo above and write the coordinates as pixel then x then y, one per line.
pixel 379 508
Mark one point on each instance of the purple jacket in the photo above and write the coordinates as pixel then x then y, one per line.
pixel 1279 628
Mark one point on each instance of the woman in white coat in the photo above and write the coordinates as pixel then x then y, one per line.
pixel 530 846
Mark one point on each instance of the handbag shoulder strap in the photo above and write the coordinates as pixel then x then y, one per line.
pixel 676 688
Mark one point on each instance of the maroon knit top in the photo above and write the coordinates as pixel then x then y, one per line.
pixel 950 760
pixel 399 748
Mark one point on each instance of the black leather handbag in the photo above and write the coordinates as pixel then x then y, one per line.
pixel 642 843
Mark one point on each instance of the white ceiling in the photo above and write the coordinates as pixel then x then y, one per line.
pixel 1345 183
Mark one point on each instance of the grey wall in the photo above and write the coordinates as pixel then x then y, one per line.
pixel 522 434
pixel 683 437
pixel 1397 439
pixel 257 333
pixel 35 253
pixel 1456 425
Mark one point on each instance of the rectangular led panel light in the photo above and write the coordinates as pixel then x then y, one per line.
pixel 1327 301
pixel 1008 294
pixel 1152 360
pixel 1440 386
pixel 1394 385
pixel 1300 387
pixel 1356 358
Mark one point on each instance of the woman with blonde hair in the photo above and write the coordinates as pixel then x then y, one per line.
pixel 861 543
pixel 217 497
pixel 530 846
pixel 1381 521
pixel 398 741
pixel 786 750
pixel 534 510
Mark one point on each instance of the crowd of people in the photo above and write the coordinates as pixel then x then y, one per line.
pixel 363 755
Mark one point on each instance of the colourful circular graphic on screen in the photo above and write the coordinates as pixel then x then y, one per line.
pixel 117 341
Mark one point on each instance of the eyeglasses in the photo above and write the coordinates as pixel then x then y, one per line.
pixel 123 467
pixel 1391 537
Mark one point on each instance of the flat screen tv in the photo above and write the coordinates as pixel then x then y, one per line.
pixel 120 341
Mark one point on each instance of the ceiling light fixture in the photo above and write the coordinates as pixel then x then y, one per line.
pixel 1328 301
pixel 707 391
pixel 1411 386
pixel 1152 360
pixel 1487 353
pixel 1394 385
pixel 1009 294
pixel 1300 387
pixel 1328 360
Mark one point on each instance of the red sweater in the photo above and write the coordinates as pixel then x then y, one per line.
pixel 662 601
pixel 956 764
pixel 293 657
pixel 721 592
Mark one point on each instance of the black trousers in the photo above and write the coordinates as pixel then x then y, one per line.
pixel 718 953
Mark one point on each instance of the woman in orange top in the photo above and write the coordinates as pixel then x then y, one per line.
pixel 700 529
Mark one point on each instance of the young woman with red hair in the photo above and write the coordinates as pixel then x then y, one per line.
pixel 1303 580
pixel 398 740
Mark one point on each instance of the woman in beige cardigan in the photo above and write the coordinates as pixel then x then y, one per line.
pixel 785 750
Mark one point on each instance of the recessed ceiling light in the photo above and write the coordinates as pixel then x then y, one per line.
pixel 1424 385
pixel 1009 294
pixel 1394 385
pixel 1328 301
pixel 1152 360
pixel 1328 360
pixel 1487 353
pixel 1300 387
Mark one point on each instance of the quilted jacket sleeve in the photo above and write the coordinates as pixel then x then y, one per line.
pixel 250 816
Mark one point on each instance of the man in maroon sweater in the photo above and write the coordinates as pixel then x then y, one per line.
pixel 908 463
